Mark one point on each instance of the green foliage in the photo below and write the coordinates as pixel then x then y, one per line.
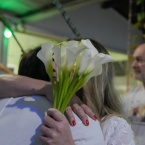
pixel 138 2
pixel 137 24
pixel 140 16
pixel 140 22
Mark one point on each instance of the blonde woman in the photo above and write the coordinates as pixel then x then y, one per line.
pixel 100 95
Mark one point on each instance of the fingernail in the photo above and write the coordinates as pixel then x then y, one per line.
pixel 87 122
pixel 95 117
pixel 73 122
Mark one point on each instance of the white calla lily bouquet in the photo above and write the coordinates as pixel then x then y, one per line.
pixel 76 61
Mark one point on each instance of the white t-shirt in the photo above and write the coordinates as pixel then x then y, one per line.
pixel 20 119
pixel 134 107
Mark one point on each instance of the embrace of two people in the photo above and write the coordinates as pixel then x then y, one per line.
pixel 26 98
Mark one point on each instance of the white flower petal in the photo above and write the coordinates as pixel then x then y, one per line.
pixel 45 54
pixel 102 58
pixel 96 72
pixel 73 43
pixel 88 63
pixel 71 54
pixel 105 58
pixel 64 43
pixel 99 60
pixel 90 46
pixel 69 51
pixel 59 55
pixel 86 58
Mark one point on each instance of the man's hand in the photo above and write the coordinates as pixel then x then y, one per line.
pixel 79 108
pixel 56 130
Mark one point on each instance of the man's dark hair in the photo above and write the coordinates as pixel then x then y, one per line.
pixel 31 66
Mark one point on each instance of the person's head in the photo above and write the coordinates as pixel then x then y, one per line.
pixel 99 93
pixel 138 64
pixel 31 66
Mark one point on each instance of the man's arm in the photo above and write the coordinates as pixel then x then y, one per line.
pixel 15 85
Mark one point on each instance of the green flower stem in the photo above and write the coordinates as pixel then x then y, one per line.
pixel 69 95
pixel 76 69
pixel 59 95
pixel 63 90
pixel 59 86
pixel 55 94
pixel 69 90
pixel 72 84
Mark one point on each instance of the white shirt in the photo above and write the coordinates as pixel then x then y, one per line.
pixel 117 131
pixel 134 107
pixel 20 119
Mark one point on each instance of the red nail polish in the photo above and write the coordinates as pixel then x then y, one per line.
pixel 95 117
pixel 87 122
pixel 73 122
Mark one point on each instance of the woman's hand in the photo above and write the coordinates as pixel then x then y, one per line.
pixel 79 108
pixel 56 130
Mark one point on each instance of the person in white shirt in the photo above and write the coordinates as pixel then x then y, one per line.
pixel 21 118
pixel 134 101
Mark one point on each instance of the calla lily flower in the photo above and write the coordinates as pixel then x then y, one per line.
pixel 45 55
pixel 66 52
pixel 79 57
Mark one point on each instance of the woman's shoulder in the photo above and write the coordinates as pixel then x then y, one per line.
pixel 117 130
pixel 114 121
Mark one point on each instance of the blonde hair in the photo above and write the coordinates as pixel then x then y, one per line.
pixel 101 96
pixel 99 93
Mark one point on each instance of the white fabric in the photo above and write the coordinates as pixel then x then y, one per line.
pixel 87 135
pixel 134 107
pixel 20 119
pixel 117 132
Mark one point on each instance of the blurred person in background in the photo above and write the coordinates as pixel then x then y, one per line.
pixel 134 101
